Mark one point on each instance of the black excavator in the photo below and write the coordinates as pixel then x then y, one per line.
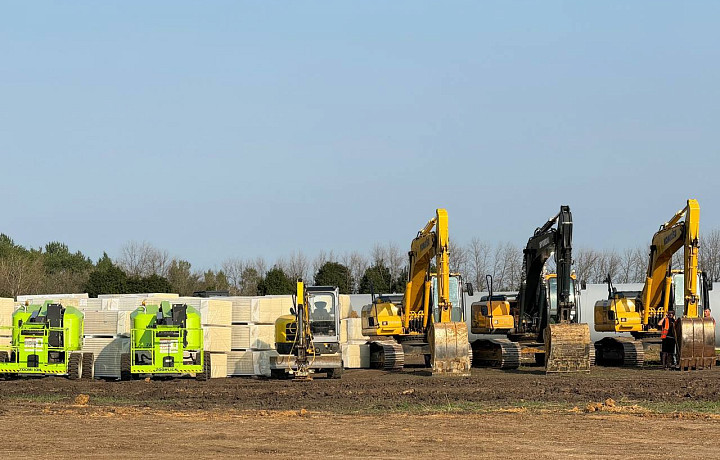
pixel 545 326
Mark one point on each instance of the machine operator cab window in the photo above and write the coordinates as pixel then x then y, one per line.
pixel 677 296
pixel 553 297
pixel 456 314
pixel 322 314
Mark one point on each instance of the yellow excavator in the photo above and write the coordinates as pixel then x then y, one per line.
pixel 307 340
pixel 640 313
pixel 400 324
pixel 542 320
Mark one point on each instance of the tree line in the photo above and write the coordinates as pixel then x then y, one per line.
pixel 141 267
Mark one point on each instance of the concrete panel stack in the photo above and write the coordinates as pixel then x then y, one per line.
pixel 216 317
pixel 107 351
pixel 130 302
pixel 107 323
pixel 64 299
pixel 355 349
pixel 107 336
pixel 253 333
pixel 346 309
pixel 7 306
pixel 74 300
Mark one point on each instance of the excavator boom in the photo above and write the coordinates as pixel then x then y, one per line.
pixel 448 340
pixel 567 343
pixel 695 334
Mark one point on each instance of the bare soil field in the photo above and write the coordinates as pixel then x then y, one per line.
pixel 609 413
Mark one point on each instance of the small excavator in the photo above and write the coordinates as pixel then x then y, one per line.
pixel 307 340
pixel 640 313
pixel 542 321
pixel 403 324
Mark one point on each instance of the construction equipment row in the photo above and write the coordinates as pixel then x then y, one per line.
pixel 425 326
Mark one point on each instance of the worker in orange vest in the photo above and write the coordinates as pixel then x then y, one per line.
pixel 667 352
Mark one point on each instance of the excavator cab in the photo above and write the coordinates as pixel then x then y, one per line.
pixel 457 299
pixel 551 282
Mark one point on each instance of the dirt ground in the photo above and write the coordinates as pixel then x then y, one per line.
pixel 609 413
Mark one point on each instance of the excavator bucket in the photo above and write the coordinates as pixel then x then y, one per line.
pixel 567 348
pixel 696 343
pixel 450 348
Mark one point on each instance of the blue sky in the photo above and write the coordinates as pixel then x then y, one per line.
pixel 244 129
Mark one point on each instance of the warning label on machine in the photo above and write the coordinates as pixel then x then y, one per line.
pixel 168 346
pixel 33 343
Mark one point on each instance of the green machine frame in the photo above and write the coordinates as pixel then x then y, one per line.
pixel 166 340
pixel 46 340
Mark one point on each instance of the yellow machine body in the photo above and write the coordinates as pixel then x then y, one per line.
pixel 382 318
pixel 641 315
pixel 411 316
pixel 491 317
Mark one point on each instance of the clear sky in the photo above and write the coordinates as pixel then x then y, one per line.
pixel 244 129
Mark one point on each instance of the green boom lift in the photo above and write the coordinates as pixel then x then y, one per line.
pixel 165 340
pixel 46 340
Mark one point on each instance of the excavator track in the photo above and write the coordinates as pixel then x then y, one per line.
pixel 620 351
pixel 496 353
pixel 386 355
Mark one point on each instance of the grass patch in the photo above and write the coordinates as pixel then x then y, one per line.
pixel 36 397
pixel 690 406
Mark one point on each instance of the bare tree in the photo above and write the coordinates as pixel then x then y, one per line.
pixel 357 264
pixel 297 266
pixel 142 259
pixel 586 264
pixel 478 255
pixel 710 254
pixel 396 261
pixel 378 255
pixel 459 258
pixel 233 269
pixel 260 266
pixel 322 258
pixel 20 274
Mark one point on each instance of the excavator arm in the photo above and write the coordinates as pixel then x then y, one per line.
pixel 304 337
pixel 567 346
pixel 431 242
pixel 695 335
pixel 545 241
pixel 448 340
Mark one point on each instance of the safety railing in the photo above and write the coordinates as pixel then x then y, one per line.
pixel 150 337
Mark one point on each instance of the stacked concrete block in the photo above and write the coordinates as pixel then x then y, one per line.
pixel 107 336
pixel 346 308
pixel 107 351
pixel 253 336
pixel 107 323
pixel 75 300
pixel 249 362
pixel 130 302
pixel 7 306
pixel 355 349
pixel 253 332
pixel 218 365
pixel 216 317
pixel 356 355
pixel 64 301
